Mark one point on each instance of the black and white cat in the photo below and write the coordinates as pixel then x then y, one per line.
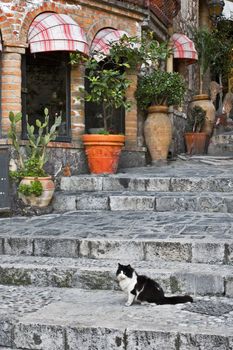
pixel 144 289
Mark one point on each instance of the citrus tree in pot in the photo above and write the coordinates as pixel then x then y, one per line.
pixel 36 187
pixel 156 91
pixel 108 84
pixel 196 140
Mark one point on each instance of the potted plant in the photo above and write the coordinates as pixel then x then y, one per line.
pixel 195 138
pixel 205 46
pixel 36 187
pixel 156 91
pixel 108 83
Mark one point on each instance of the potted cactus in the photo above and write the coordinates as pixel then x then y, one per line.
pixel 35 187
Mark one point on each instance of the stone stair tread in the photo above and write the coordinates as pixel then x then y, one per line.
pixel 143 194
pixel 198 279
pixel 120 225
pixel 110 265
pixel 57 319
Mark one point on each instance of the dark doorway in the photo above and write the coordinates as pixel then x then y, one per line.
pixel 46 83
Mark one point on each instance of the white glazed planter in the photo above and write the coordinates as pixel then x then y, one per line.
pixel 46 196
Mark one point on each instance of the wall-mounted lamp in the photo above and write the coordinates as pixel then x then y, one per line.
pixel 215 9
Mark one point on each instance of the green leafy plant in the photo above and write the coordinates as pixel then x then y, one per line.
pixel 196 119
pixel 35 188
pixel 160 88
pixel 205 46
pixel 32 163
pixel 108 81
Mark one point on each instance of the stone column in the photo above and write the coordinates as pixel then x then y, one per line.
pixel 10 85
pixel 77 105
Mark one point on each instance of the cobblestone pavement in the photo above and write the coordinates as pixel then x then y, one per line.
pixel 128 225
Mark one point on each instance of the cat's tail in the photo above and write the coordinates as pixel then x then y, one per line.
pixel 177 299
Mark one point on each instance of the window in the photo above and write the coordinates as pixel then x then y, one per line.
pixel 46 83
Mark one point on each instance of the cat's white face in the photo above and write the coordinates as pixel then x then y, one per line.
pixel 121 276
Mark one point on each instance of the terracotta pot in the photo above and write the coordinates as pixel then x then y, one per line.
pixel 158 132
pixel 208 106
pixel 196 142
pixel 103 152
pixel 46 196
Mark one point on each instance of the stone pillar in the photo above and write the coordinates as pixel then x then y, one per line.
pixel 77 105
pixel 10 85
pixel 170 58
pixel 131 125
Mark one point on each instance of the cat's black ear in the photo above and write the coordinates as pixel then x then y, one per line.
pixel 129 265
pixel 119 264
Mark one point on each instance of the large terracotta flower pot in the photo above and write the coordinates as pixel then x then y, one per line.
pixel 45 198
pixel 208 106
pixel 103 152
pixel 158 133
pixel 196 142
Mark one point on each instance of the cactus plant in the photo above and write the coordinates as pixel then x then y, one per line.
pixel 32 164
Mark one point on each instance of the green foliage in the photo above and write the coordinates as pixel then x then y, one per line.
pixel 221 58
pixel 205 46
pixel 107 78
pixel 196 119
pixel 160 88
pixel 33 163
pixel 35 188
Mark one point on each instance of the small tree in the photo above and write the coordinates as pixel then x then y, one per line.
pixel 107 78
pixel 205 45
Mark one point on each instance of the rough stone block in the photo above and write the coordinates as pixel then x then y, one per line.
pixel 208 253
pixel 146 340
pixel 221 184
pixel 158 184
pixel 191 184
pixel 103 338
pixel 110 249
pixel 123 184
pixel 230 253
pixel 53 247
pixel 168 203
pixel 211 204
pixel 38 336
pixel 92 202
pixel 90 279
pixel 5 332
pixel 229 286
pixel 81 183
pixel 168 251
pixel 203 342
pixel 201 284
pixel 62 202
pixel 18 246
pixel 136 203
pixel 1 245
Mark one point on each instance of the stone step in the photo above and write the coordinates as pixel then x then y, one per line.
pixel 144 201
pixel 223 138
pixel 61 319
pixel 174 277
pixel 150 236
pixel 220 149
pixel 152 182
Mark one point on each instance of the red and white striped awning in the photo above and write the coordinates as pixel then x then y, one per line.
pixel 184 48
pixel 104 38
pixel 56 32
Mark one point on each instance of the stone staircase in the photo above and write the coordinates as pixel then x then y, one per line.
pixel 172 223
pixel 222 144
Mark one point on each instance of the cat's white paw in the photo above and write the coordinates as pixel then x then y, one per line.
pixel 128 303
